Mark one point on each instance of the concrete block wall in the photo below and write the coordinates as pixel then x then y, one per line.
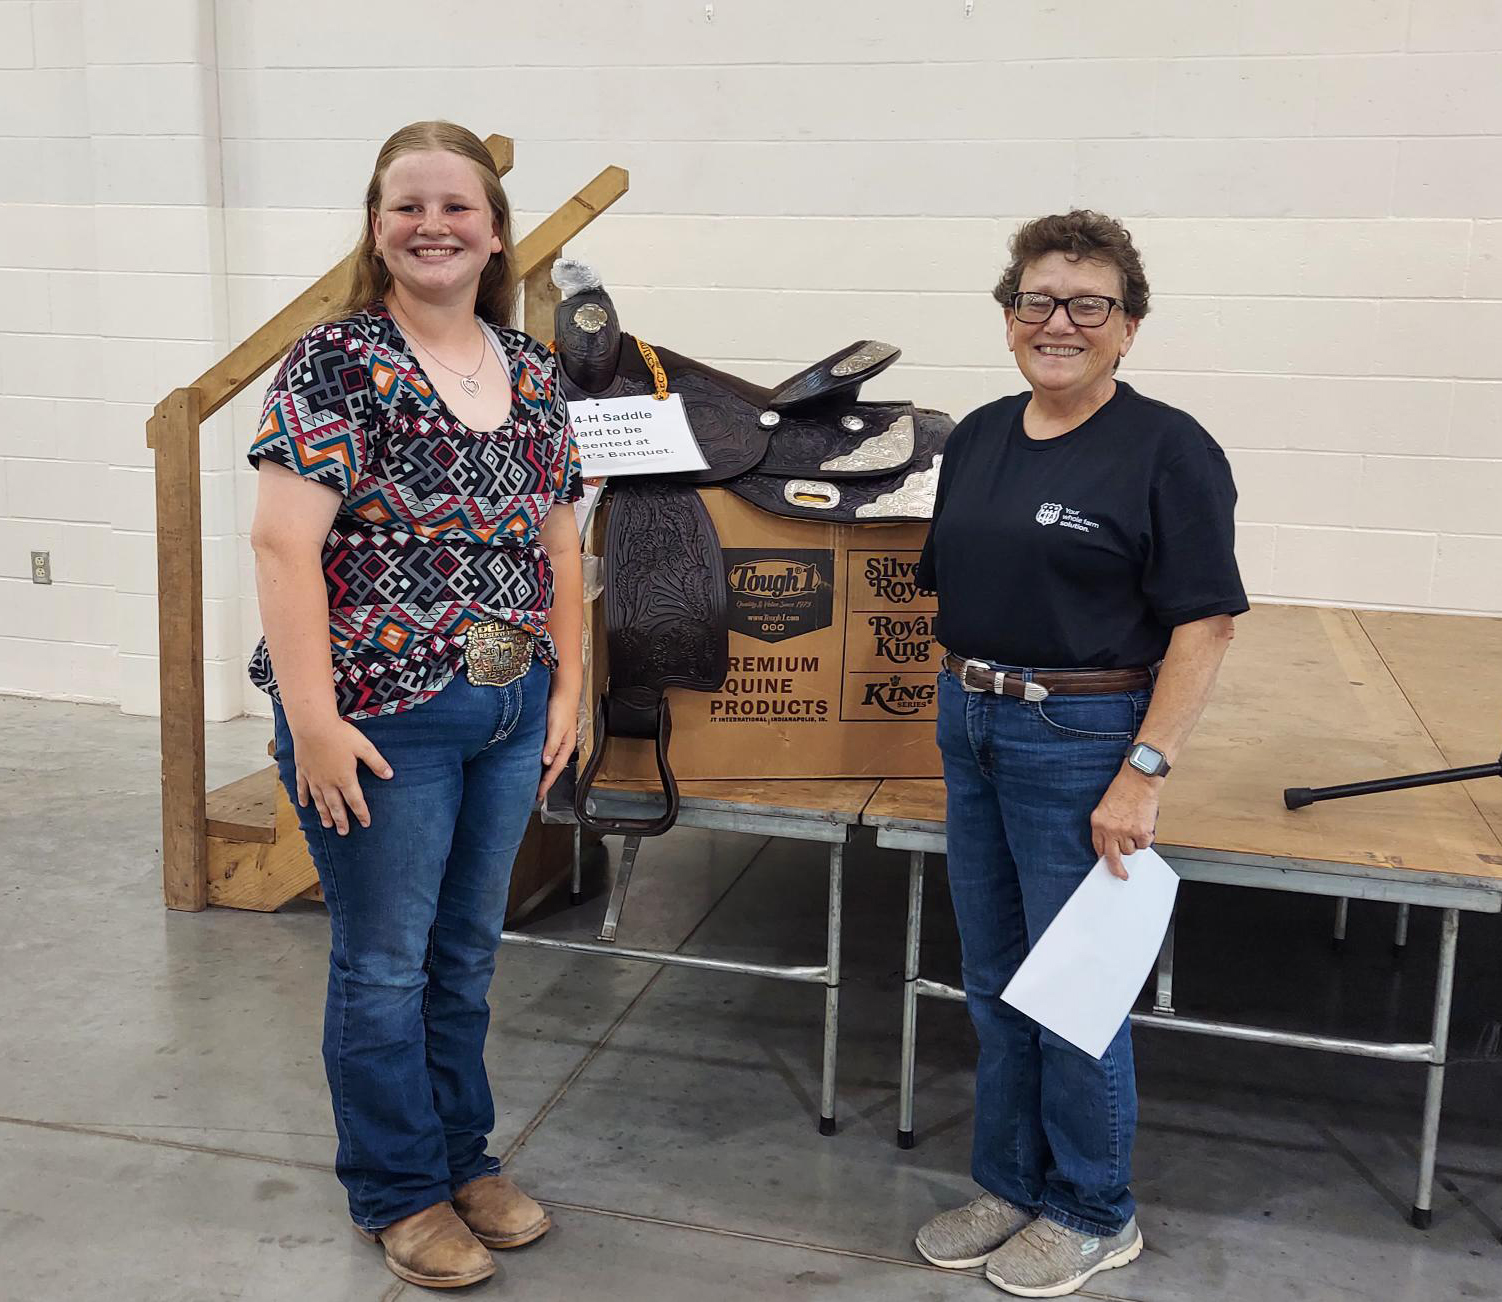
pixel 1317 190
pixel 112 294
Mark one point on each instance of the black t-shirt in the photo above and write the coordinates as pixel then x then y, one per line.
pixel 1083 550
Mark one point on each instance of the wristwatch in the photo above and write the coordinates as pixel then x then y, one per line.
pixel 1148 759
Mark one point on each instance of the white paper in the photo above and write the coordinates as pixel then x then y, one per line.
pixel 584 508
pixel 634 436
pixel 1082 976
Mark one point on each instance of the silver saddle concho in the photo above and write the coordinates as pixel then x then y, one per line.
pixel 1030 691
pixel 496 654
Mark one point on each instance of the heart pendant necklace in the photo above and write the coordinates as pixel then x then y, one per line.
pixel 468 381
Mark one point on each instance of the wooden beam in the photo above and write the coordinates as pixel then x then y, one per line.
pixel 234 372
pixel 244 810
pixel 538 247
pixel 260 876
pixel 539 297
pixel 179 567
pixel 503 151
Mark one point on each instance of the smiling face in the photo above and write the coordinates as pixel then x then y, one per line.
pixel 434 227
pixel 1056 356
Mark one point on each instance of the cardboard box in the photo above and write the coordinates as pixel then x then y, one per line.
pixel 832 659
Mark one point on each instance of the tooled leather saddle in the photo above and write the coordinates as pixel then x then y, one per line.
pixel 807 449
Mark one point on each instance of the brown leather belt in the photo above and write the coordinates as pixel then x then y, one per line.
pixel 978 676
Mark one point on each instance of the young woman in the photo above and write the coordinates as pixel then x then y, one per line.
pixel 422 605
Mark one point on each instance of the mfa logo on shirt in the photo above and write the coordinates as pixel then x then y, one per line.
pixel 1064 516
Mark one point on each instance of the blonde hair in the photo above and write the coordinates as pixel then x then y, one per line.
pixel 370 278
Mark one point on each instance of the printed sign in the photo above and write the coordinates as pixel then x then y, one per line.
pixel 775 595
pixel 891 641
pixel 634 436
pixel 886 581
pixel 770 689
pixel 873 698
pixel 891 657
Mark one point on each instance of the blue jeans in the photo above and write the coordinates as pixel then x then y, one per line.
pixel 1053 1127
pixel 416 904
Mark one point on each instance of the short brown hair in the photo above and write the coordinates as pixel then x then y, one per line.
pixel 496 300
pixel 1079 234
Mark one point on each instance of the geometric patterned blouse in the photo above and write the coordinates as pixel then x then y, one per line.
pixel 438 529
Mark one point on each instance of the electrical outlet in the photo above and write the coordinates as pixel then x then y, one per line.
pixel 41 567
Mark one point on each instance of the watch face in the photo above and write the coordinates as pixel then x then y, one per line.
pixel 1144 758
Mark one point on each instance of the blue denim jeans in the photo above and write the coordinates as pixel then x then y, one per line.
pixel 416 904
pixel 1053 1127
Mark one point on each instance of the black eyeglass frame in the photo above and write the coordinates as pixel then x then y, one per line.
pixel 1068 305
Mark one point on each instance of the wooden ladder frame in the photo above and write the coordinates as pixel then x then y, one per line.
pixel 173 434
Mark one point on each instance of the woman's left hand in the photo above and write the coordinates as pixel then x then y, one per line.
pixel 563 732
pixel 1124 821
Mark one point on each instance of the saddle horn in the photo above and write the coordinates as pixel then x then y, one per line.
pixel 586 327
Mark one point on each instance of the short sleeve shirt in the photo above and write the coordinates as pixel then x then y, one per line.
pixel 439 526
pixel 1085 550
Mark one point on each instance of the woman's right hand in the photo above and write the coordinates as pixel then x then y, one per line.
pixel 328 759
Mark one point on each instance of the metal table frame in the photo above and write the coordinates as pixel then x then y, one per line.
pixel 1304 877
pixel 822 826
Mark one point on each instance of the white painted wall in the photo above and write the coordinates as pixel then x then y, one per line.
pixel 1317 190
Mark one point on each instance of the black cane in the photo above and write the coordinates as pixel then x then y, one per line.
pixel 1298 797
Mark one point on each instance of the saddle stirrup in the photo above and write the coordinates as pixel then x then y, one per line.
pixel 665 626
pixel 638 715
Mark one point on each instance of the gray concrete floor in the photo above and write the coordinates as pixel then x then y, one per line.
pixel 164 1127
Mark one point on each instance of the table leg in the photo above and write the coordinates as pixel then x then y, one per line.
pixel 576 882
pixel 1444 987
pixel 1342 912
pixel 629 847
pixel 910 998
pixel 1400 932
pixel 1163 999
pixel 832 987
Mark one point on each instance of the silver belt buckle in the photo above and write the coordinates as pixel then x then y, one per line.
pixel 1030 691
pixel 965 674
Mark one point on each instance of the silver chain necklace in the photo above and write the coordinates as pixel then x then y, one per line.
pixel 470 384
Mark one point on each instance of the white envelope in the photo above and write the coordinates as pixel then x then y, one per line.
pixel 1087 968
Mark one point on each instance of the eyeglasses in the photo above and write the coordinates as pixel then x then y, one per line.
pixel 1083 309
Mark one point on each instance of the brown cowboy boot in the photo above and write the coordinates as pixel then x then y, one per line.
pixel 499 1214
pixel 433 1248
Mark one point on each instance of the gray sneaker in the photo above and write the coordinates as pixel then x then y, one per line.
pixel 968 1235
pixel 1048 1260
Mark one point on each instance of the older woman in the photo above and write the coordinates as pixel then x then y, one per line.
pixel 1081 550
